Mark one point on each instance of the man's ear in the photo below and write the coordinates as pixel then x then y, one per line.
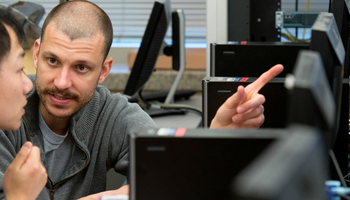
pixel 106 68
pixel 36 53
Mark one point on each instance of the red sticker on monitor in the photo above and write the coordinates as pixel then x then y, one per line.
pixel 180 132
pixel 244 79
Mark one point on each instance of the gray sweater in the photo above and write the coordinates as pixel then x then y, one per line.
pixel 100 132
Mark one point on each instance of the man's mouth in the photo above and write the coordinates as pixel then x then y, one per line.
pixel 60 97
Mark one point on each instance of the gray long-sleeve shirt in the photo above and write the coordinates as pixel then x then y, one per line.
pixel 100 132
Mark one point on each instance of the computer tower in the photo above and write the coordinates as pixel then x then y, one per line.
pixel 196 164
pixel 251 59
pixel 216 90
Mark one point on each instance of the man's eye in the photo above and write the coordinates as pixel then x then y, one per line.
pixel 82 68
pixel 52 61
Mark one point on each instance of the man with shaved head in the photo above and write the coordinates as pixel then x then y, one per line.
pixel 79 126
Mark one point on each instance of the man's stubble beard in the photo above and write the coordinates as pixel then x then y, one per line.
pixel 82 101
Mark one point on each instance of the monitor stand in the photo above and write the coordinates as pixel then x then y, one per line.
pixel 155 110
pixel 159 112
pixel 161 95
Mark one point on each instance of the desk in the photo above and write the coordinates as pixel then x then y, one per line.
pixel 189 120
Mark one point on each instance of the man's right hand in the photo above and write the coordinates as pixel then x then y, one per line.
pixel 244 109
pixel 26 176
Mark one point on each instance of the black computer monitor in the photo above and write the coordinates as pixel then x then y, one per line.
pixel 151 46
pixel 311 100
pixel 340 10
pixel 294 168
pixel 326 40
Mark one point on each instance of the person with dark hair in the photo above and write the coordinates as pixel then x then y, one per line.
pixel 80 127
pixel 25 176
pixel 7 19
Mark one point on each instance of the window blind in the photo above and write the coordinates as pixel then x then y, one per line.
pixel 129 17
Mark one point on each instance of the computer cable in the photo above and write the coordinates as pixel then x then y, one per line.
pixel 143 103
pixel 289 36
pixel 346 177
pixel 306 9
pixel 337 168
pixel 292 38
pixel 179 106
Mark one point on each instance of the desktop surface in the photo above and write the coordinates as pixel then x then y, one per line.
pixel 190 119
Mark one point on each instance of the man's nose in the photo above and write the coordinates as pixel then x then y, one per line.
pixel 63 79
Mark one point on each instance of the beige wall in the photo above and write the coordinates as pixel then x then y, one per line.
pixel 120 55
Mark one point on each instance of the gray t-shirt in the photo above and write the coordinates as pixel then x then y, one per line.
pixel 58 150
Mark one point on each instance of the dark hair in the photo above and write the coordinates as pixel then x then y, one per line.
pixel 103 23
pixel 6 17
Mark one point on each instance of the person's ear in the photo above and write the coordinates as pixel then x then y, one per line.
pixel 106 68
pixel 36 53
